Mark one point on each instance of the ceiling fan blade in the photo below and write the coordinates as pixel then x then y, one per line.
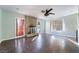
pixel 50 9
pixel 47 12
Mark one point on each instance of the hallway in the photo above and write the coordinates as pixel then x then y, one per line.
pixel 43 43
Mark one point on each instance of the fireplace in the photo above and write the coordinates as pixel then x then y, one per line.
pixel 32 29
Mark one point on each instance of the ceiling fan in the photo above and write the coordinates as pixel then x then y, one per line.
pixel 47 12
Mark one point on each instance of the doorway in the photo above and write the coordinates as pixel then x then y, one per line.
pixel 20 27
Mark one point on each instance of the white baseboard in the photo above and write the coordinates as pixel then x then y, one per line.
pixel 74 42
pixel 11 38
pixel 67 34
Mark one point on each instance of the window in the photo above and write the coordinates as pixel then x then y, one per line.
pixel 56 25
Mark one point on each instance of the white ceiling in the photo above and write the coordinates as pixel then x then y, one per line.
pixel 35 10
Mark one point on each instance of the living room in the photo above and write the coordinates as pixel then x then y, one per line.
pixel 17 21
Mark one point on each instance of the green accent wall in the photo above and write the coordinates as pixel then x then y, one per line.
pixel 8 24
pixel 71 23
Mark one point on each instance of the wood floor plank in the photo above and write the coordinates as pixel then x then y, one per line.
pixel 43 43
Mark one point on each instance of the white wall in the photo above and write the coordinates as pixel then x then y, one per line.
pixel 78 24
pixel 0 24
pixel 78 21
pixel 70 25
pixel 44 26
pixel 48 26
pixel 41 27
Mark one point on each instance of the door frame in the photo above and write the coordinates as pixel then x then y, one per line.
pixel 15 27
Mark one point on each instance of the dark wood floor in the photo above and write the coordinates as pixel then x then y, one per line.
pixel 43 43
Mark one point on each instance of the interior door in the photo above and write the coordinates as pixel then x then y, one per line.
pixel 19 26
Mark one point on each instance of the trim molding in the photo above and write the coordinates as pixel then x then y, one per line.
pixel 70 39
pixel 73 42
pixel 65 35
pixel 12 38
